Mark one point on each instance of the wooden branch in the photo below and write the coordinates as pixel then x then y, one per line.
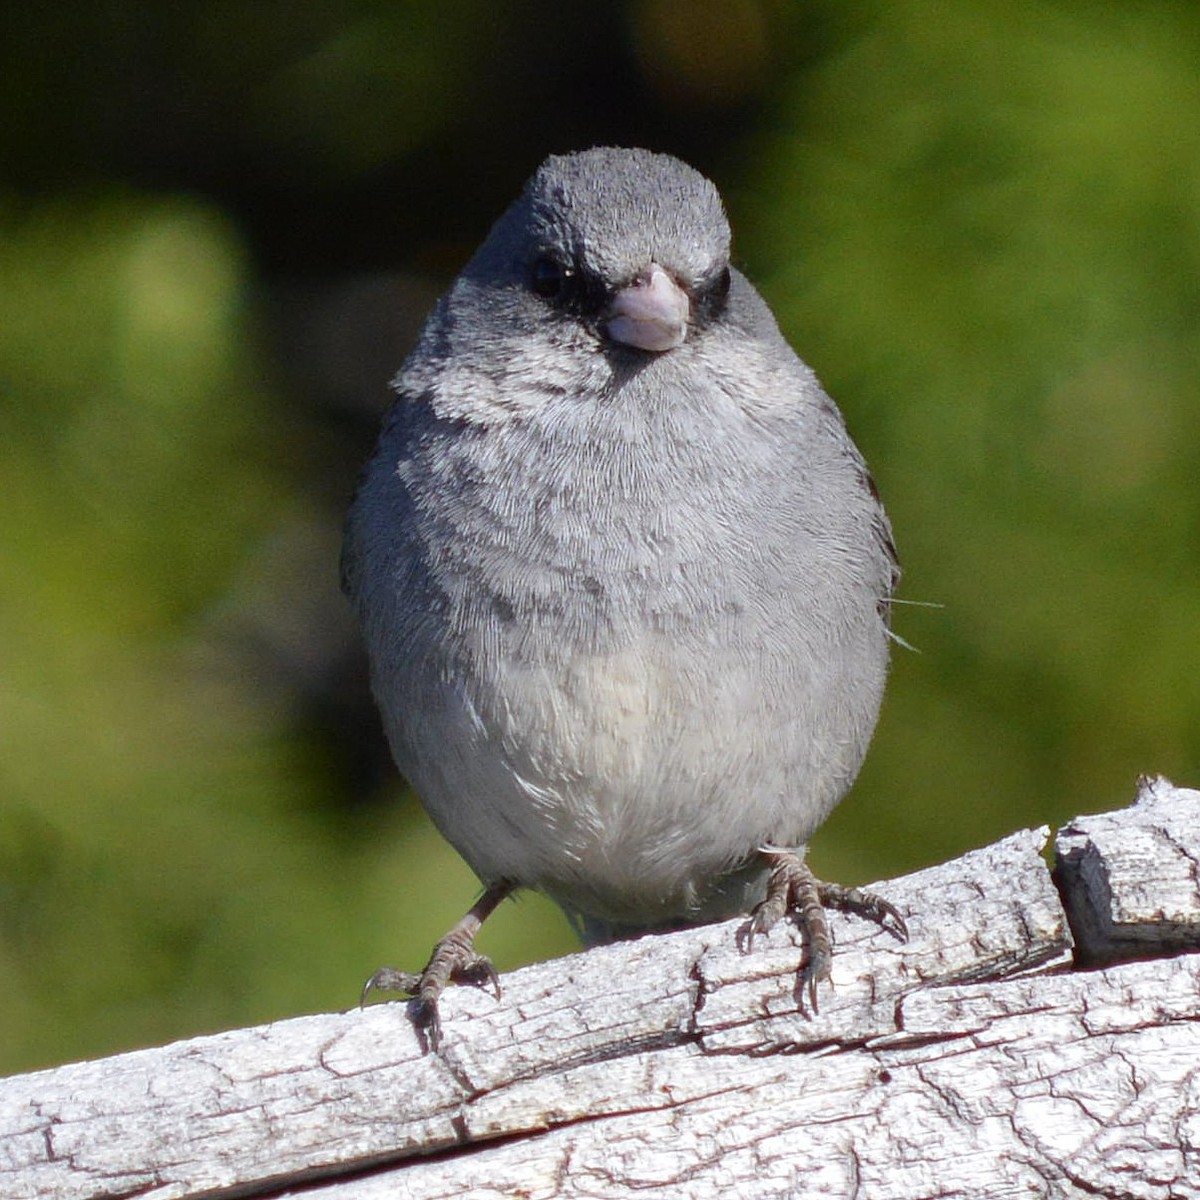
pixel 973 1061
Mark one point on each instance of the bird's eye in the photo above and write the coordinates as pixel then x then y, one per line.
pixel 711 294
pixel 549 277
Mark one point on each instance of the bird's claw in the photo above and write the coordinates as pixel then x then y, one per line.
pixel 793 889
pixel 454 960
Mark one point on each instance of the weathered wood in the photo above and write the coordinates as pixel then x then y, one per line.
pixel 970 1062
pixel 1132 878
pixel 1057 1085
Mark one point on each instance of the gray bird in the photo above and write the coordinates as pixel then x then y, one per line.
pixel 624 579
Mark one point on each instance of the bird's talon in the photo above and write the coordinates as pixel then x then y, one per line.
pixel 792 888
pixel 427 1022
pixel 454 960
pixel 388 979
pixel 480 973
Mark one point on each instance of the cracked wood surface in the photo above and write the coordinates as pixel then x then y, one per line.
pixel 1131 884
pixel 972 1061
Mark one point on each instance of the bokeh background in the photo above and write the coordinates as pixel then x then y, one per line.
pixel 220 227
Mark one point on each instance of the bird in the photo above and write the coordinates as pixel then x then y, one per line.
pixel 623 578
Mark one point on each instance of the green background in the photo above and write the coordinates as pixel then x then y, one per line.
pixel 220 227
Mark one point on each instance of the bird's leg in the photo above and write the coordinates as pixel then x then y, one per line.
pixel 454 960
pixel 792 888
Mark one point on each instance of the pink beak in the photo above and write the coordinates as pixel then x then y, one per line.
pixel 651 313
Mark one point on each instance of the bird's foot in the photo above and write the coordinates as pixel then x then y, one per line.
pixel 454 960
pixel 793 889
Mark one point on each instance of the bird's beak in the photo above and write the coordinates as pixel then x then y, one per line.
pixel 651 313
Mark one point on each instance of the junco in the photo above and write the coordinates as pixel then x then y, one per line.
pixel 624 579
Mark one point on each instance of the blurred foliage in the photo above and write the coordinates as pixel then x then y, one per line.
pixel 220 227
